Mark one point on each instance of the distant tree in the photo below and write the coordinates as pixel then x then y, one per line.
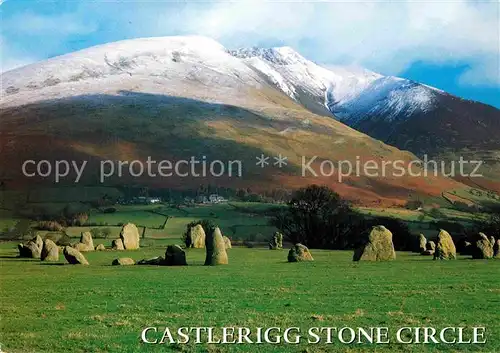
pixel 316 216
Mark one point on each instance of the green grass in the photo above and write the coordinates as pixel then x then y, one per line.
pixel 101 308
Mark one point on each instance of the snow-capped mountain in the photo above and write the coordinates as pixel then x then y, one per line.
pixel 350 93
pixel 398 111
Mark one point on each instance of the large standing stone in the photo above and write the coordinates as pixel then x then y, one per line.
pixel 123 261
pixel 422 243
pixel 117 244
pixel 445 248
pixel 378 248
pixel 216 249
pixel 50 251
pixel 227 242
pixel 299 253
pixel 86 238
pixel 276 242
pixel 175 256
pixel 74 257
pixel 483 248
pixel 130 236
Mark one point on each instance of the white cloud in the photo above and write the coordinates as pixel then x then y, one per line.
pixel 383 36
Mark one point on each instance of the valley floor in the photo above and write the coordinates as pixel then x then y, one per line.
pixel 57 307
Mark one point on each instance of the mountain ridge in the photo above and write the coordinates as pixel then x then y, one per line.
pixel 180 95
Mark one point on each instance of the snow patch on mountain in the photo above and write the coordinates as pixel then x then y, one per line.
pixel 350 93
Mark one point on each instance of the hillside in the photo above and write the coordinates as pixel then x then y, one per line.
pixel 176 97
pixel 400 112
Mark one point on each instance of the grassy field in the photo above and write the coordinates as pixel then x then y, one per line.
pixel 101 308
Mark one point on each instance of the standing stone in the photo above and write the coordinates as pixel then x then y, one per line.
pixel 86 238
pixel 34 248
pixel 216 249
pixel 445 248
pixel 422 243
pixel 496 249
pixel 38 241
pixel 227 242
pixel 492 240
pixel 276 242
pixel 175 256
pixel 123 261
pixel 50 251
pixel 74 257
pixel 100 247
pixel 431 246
pixel 29 250
pixel 130 236
pixel 483 248
pixel 86 243
pixel 299 253
pixel 196 237
pixel 378 248
pixel 117 244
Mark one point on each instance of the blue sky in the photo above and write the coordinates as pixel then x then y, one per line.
pixel 452 45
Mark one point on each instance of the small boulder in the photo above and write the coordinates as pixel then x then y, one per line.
pixel 130 236
pixel 74 257
pixel 299 253
pixel 227 242
pixel 483 248
pixel 445 248
pixel 117 244
pixel 100 247
pixel 422 243
pixel 196 237
pixel 276 242
pixel 175 256
pixel 216 249
pixel 81 247
pixel 123 261
pixel 50 251
pixel 378 248
pixel 153 261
